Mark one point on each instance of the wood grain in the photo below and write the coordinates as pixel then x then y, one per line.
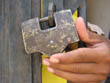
pixel 36 58
pixel 58 3
pixel 4 59
pixel 15 65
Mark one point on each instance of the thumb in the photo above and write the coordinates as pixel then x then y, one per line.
pixel 81 29
pixel 85 35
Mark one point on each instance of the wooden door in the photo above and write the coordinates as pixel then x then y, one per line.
pixel 15 65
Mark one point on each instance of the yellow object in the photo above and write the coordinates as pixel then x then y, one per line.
pixel 48 77
pixel 41 8
pixel 75 15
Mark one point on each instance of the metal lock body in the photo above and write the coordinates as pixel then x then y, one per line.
pixel 52 40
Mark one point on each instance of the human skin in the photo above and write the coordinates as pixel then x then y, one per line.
pixel 84 65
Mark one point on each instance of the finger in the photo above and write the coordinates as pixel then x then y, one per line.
pixel 81 55
pixel 86 35
pixel 46 61
pixel 82 68
pixel 77 77
pixel 81 29
pixel 94 82
pixel 88 82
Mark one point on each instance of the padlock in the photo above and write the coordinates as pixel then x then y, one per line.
pixel 52 40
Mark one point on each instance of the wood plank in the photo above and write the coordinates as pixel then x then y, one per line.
pixel 4 66
pixel 72 4
pixel 19 61
pixel 35 8
pixel 36 58
pixel 58 3
pixel 36 68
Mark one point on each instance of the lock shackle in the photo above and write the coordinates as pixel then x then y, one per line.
pixel 50 17
pixel 44 19
pixel 51 10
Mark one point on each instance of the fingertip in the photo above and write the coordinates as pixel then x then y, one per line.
pixel 46 62
pixel 56 57
pixel 50 69
pixel 54 60
pixel 80 25
pixel 79 19
pixel 81 29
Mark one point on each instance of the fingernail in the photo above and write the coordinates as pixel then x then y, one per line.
pixel 54 60
pixel 45 62
pixel 50 70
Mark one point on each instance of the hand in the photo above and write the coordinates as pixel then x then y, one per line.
pixel 84 65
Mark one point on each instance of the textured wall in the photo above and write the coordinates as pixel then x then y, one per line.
pixel 99 13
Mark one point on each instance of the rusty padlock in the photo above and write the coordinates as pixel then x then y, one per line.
pixel 52 40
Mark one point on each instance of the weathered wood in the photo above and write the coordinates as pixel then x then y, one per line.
pixel 58 3
pixel 19 62
pixel 15 65
pixel 72 4
pixel 36 58
pixel 35 12
pixel 4 59
pixel 36 68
